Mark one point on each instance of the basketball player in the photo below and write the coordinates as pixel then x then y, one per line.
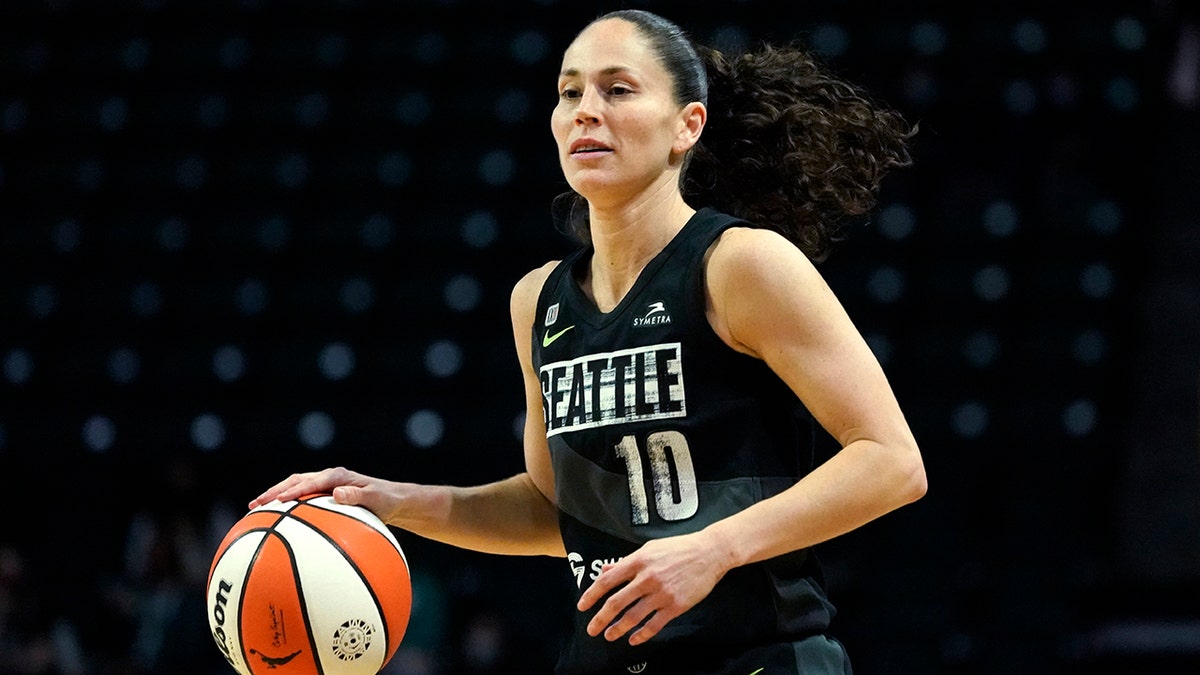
pixel 675 364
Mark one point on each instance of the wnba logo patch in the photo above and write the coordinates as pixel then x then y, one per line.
pixel 352 639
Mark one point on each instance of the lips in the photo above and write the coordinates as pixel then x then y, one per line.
pixel 589 146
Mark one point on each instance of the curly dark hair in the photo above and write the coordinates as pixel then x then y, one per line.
pixel 787 146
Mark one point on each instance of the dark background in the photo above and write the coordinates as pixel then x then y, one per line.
pixel 242 238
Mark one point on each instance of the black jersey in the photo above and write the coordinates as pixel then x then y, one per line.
pixel 657 428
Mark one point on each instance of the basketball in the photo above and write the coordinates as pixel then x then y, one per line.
pixel 319 587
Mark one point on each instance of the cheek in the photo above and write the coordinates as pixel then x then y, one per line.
pixel 652 128
pixel 655 140
pixel 560 124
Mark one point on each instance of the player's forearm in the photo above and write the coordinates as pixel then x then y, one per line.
pixel 857 485
pixel 509 517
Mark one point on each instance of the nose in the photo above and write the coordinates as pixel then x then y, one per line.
pixel 587 111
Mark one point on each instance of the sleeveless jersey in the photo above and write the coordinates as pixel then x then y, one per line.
pixel 658 428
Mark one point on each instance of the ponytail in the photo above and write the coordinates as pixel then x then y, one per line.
pixel 790 148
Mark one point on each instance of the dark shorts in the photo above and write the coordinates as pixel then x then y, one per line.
pixel 817 655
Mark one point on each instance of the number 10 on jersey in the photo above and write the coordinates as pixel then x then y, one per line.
pixel 671 473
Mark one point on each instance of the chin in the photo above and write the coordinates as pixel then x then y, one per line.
pixel 589 186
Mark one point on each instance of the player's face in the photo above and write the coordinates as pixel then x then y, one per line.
pixel 617 124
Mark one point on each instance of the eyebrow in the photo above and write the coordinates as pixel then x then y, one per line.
pixel 611 70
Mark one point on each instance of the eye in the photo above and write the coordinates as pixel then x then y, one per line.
pixel 568 93
pixel 619 90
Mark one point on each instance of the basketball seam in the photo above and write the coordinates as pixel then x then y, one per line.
pixel 387 633
pixel 220 552
pixel 307 502
pixel 308 628
pixel 242 596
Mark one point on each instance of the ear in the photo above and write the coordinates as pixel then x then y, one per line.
pixel 691 122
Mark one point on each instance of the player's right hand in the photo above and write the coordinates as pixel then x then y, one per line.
pixel 347 487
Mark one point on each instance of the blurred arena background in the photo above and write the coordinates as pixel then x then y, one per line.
pixel 242 238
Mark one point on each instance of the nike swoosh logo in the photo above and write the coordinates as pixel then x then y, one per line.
pixel 758 671
pixel 547 339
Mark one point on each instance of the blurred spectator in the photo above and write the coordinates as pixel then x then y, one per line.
pixel 33 641
pixel 159 593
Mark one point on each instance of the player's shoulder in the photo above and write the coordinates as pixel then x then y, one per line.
pixel 753 250
pixel 739 240
pixel 527 289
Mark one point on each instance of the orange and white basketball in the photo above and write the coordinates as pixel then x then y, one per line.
pixel 318 586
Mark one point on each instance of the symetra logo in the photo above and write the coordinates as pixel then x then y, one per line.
pixel 656 315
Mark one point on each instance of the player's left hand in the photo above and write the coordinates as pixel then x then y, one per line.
pixel 658 582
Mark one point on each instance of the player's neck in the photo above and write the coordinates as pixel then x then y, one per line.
pixel 626 238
